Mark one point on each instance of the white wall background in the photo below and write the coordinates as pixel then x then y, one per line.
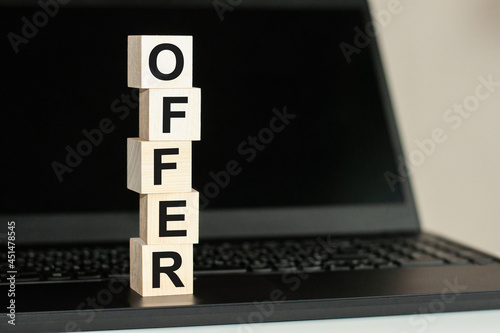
pixel 434 51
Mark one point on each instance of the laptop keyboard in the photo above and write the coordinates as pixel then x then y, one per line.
pixel 90 263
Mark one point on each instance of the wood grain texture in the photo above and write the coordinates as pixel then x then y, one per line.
pixel 137 300
pixel 188 208
pixel 141 166
pixel 138 64
pixel 141 269
pixel 153 112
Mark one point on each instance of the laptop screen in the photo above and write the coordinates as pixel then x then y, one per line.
pixel 292 108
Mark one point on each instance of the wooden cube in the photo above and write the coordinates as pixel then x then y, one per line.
pixel 137 301
pixel 158 166
pixel 160 61
pixel 170 114
pixel 159 270
pixel 169 218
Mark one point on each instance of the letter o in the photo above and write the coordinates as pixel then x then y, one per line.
pixel 40 19
pixel 211 190
pixel 84 148
pixel 255 317
pixel 417 157
pixel 471 103
pixel 266 135
pixel 104 300
pixel 179 62
pixel 437 306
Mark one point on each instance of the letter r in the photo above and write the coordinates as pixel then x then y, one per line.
pixel 169 270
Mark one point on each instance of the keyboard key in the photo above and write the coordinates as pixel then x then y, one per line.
pixel 287 269
pixel 363 267
pixel 219 271
pixel 477 258
pixel 334 268
pixel 90 274
pixel 261 269
pixel 350 256
pixel 452 259
pixel 28 276
pixel 420 261
pixel 312 269
pixel 457 261
pixel 116 275
pixel 58 276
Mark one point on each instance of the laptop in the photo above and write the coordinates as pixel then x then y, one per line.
pixel 306 212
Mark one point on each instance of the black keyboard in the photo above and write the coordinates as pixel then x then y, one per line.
pixel 90 263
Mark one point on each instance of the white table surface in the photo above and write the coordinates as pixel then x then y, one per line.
pixel 456 322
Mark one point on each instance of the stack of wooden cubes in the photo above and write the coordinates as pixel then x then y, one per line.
pixel 159 164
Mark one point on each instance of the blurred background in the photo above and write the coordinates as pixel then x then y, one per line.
pixel 434 52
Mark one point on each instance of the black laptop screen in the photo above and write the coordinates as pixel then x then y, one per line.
pixel 287 120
